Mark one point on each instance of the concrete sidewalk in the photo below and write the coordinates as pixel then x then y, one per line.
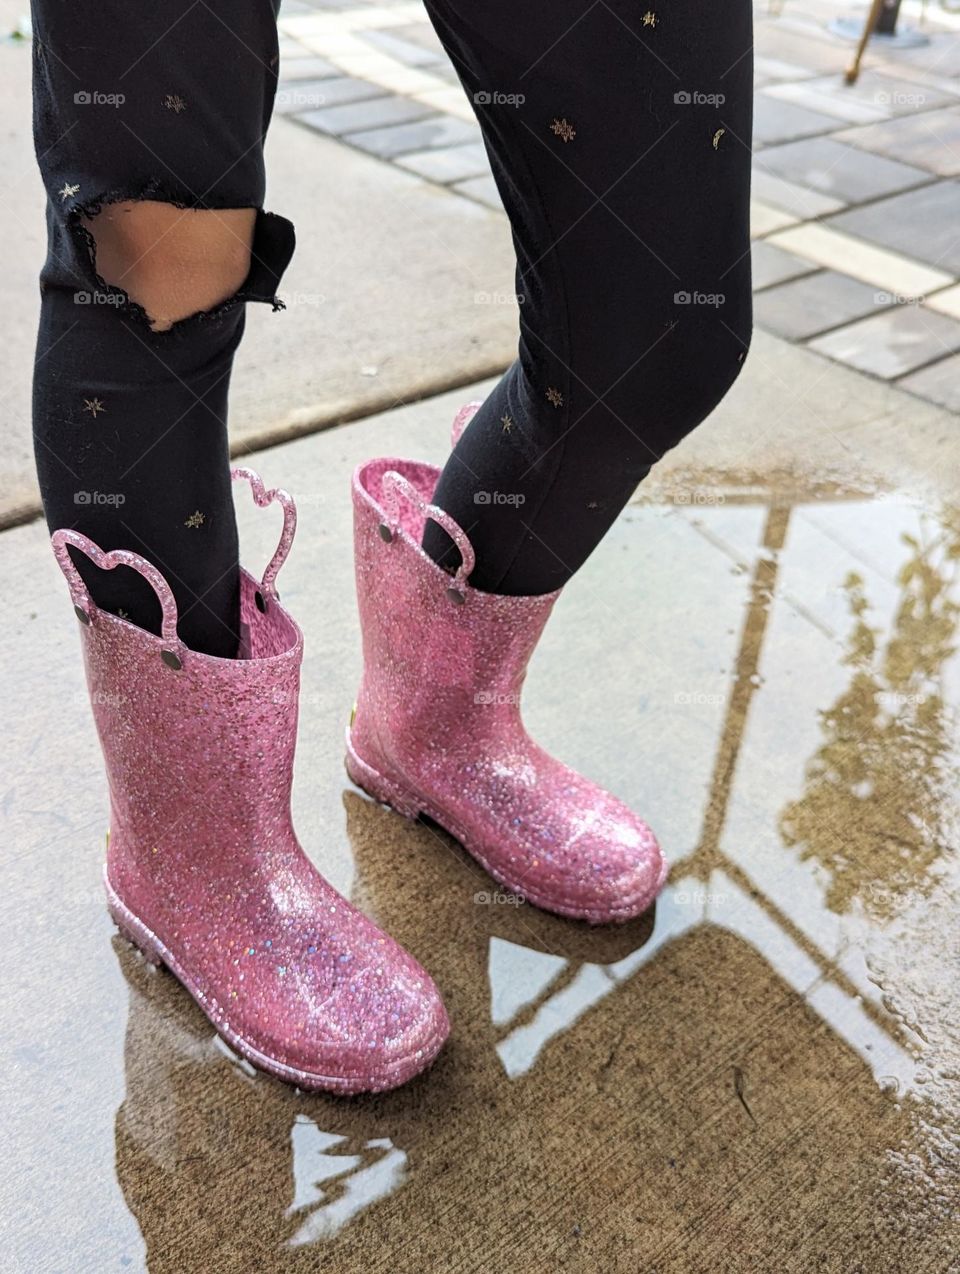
pixel 651 1097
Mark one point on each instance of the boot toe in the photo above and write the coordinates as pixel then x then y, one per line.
pixel 375 1031
pixel 595 861
pixel 616 875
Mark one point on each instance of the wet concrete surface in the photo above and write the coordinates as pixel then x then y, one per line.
pixel 761 1074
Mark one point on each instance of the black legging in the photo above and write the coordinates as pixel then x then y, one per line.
pixel 626 180
pixel 627 184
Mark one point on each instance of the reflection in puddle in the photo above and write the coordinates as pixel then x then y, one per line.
pixel 877 812
pixel 787 1028
pixel 332 1184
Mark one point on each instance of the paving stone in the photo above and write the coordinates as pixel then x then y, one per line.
pixel 765 220
pixel 873 97
pixel 308 67
pixel 336 92
pixel 449 164
pixel 775 69
pixel 940 383
pixel 772 265
pixel 839 169
pixel 297 96
pixel 946 301
pixel 826 245
pixel 901 339
pixel 354 117
pixel 789 196
pixel 483 189
pixel 927 139
pixel 404 51
pixel 941 56
pixel 806 307
pixel 774 40
pixel 440 130
pixel 446 71
pixel 778 121
pixel 421 33
pixel 923 224
pixel 292 49
pixel 843 109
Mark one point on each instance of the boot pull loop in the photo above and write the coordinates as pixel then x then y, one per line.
pixel 263 497
pixel 84 605
pixel 396 485
pixel 462 419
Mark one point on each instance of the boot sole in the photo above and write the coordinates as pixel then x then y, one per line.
pixel 153 950
pixel 407 802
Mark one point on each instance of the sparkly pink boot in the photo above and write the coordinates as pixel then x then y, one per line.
pixel 437 729
pixel 204 872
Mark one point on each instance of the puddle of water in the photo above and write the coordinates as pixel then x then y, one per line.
pixel 760 1074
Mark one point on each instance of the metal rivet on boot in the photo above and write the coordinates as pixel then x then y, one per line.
pixel 171 660
pixel 81 614
pixel 385 533
pixel 261 603
pixel 456 596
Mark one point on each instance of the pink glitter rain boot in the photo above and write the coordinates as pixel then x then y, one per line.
pixel 437 728
pixel 204 872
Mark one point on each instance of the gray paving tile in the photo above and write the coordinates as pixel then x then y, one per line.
pixel 790 196
pixel 923 224
pixel 929 139
pixel 774 69
pixel 940 383
pixel 901 339
pixel 940 57
pixel 297 96
pixel 449 164
pixel 405 51
pixel 772 265
pixel 337 91
pixel 837 168
pixel 440 130
pixel 888 93
pixel 355 117
pixel 805 307
pixel 483 189
pixel 288 47
pixel 775 41
pixel 874 96
pixel 445 71
pixel 306 68
pixel 778 121
pixel 421 33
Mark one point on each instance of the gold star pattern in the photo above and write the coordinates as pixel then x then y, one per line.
pixel 94 406
pixel 68 191
pixel 507 423
pixel 650 19
pixel 174 102
pixel 195 520
pixel 716 138
pixel 563 129
pixel 554 397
